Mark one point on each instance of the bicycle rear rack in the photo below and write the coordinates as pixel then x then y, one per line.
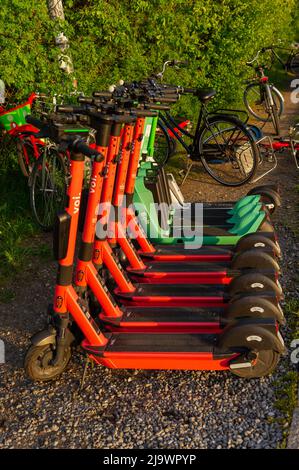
pixel 265 147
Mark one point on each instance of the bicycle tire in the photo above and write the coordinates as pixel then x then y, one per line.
pixel 245 139
pixel 276 98
pixel 294 64
pixel 163 147
pixel 48 180
pixel 25 166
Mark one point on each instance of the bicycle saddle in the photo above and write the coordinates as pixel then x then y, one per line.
pixel 205 94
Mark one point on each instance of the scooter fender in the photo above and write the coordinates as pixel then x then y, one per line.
pixel 41 338
pixel 259 334
pixel 253 306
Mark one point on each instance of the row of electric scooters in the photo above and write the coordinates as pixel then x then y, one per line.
pixel 130 302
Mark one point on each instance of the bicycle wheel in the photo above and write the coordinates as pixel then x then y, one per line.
pixel 26 156
pixel 48 185
pixel 257 105
pixel 294 64
pixel 163 148
pixel 228 151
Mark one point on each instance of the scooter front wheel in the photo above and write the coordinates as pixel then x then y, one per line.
pixel 38 363
pixel 264 364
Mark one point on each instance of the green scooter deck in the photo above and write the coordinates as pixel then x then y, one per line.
pixel 211 235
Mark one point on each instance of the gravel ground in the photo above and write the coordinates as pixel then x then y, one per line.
pixel 142 409
pixel 125 409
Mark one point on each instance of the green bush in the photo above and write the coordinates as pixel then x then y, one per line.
pixel 127 39
pixel 130 39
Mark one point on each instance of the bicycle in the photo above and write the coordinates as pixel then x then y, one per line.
pixel 13 123
pixel 261 98
pixel 221 141
pixel 291 64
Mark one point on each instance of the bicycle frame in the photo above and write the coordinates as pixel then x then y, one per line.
pixel 286 63
pixel 172 126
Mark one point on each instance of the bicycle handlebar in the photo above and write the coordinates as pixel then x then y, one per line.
pixel 174 62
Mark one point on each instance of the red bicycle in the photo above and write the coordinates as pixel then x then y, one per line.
pixel 39 160
pixel 13 123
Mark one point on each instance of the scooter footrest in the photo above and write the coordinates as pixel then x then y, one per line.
pixel 170 315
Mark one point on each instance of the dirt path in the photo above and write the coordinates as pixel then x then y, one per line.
pixel 154 409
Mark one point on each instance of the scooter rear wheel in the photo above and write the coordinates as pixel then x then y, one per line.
pixel 254 282
pixel 264 364
pixel 38 364
pixel 269 197
pixel 255 240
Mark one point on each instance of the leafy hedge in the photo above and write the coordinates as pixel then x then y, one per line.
pixel 112 39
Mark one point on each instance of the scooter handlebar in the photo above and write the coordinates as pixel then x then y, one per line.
pixel 68 108
pixel 163 99
pixel 158 107
pixel 78 145
pixel 102 94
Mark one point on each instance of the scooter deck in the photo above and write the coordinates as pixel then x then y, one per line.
pixel 175 290
pixel 154 315
pixel 210 216
pixel 161 342
pixel 201 317
pixel 189 266
pixel 204 252
pixel 205 230
pixel 180 249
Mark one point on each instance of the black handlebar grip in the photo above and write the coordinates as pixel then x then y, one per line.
pixel 179 62
pixel 167 96
pixel 85 100
pixel 165 100
pixel 192 91
pixel 169 90
pixel 161 107
pixel 64 119
pixel 79 146
pixel 144 113
pixel 102 94
pixel 68 108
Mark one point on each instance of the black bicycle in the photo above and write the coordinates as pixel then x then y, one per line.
pixel 291 64
pixel 221 142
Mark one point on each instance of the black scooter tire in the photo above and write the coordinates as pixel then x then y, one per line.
pixel 265 363
pixel 38 366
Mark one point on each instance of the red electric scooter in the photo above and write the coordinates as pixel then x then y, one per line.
pixel 249 347
pixel 166 295
pixel 174 318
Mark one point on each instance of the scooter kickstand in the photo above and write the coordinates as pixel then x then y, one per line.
pixel 87 362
